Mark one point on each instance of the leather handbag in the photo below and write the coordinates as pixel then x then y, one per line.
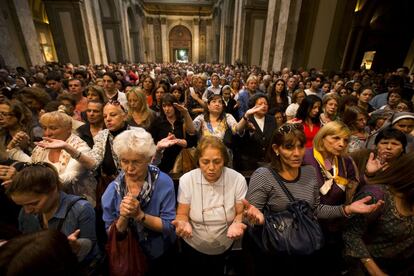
pixel 185 161
pixel 294 231
pixel 125 256
pixel 228 136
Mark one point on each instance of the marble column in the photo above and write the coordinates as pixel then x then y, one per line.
pixel 20 11
pixel 94 32
pixel 287 26
pixel 272 21
pixel 164 40
pixel 322 33
pixel 196 40
pixel 223 35
pixel 209 40
pixel 202 41
pixel 68 24
pixel 150 53
pixel 239 25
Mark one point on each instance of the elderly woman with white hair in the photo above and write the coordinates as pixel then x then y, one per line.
pixel 141 199
pixel 76 179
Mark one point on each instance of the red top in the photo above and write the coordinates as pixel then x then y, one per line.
pixel 309 134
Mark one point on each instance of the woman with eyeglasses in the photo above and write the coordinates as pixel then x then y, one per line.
pixel 141 199
pixel 37 188
pixel 286 156
pixel 209 212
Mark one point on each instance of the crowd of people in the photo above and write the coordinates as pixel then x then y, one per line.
pixel 96 154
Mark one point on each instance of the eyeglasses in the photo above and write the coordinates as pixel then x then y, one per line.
pixel 7 114
pixel 287 128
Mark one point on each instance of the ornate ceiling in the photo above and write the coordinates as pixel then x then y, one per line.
pixel 188 7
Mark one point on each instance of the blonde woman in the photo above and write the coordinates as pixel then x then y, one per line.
pixel 139 113
pixel 74 177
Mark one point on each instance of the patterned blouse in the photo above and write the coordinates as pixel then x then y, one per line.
pixel 385 234
pixel 205 128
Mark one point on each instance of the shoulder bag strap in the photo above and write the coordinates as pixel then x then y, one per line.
pixel 62 220
pixel 282 185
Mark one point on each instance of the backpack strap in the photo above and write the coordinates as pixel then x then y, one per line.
pixel 62 220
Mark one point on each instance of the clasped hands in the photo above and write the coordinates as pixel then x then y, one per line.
pixel 131 208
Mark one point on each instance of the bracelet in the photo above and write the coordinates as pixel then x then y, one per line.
pixel 345 213
pixel 77 156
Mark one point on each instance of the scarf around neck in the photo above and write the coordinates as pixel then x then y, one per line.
pixel 329 178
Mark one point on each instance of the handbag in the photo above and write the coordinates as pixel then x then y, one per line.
pixel 294 231
pixel 185 161
pixel 228 136
pixel 125 256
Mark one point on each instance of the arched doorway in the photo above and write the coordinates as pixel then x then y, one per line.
pixel 180 44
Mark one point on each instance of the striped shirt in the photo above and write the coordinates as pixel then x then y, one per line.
pixel 264 189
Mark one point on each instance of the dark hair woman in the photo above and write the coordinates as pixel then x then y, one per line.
pixel 148 85
pixel 37 189
pixel 308 115
pixel 285 156
pixel 356 119
pixel 278 96
pixel 390 145
pixel 171 127
pixel 382 243
pixel 41 253
pixel 254 145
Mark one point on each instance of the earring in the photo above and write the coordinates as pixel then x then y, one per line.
pixel 277 153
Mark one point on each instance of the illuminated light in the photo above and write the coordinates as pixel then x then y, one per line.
pixel 358 6
pixel 368 59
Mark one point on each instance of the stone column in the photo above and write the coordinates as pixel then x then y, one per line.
pixel 270 34
pixel 68 22
pixel 209 41
pixel 322 33
pixel 203 41
pixel 28 40
pixel 150 53
pixel 239 25
pixel 223 35
pixel 287 26
pixel 94 32
pixel 196 40
pixel 164 40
